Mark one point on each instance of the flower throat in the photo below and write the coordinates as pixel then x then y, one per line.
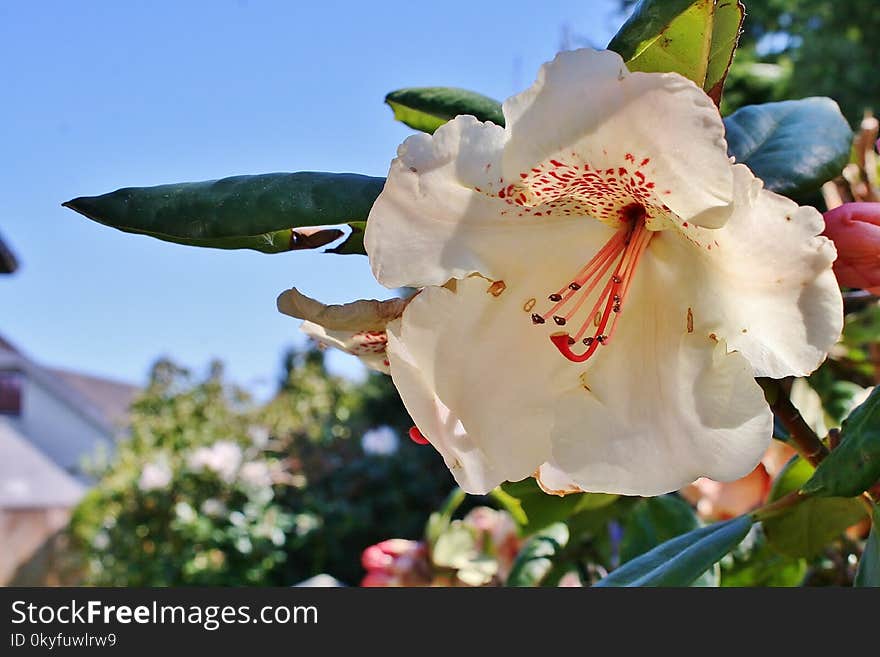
pixel 610 271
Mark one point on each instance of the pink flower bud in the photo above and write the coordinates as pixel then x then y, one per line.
pixel 855 230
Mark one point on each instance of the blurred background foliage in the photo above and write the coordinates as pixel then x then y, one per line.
pixel 211 488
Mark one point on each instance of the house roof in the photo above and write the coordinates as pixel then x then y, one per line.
pixel 8 263
pixel 103 402
pixel 111 398
pixel 28 478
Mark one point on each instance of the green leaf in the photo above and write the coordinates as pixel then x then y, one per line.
pixel 652 521
pixel 695 38
pixel 427 108
pixel 541 509
pixel 680 561
pixel 807 527
pixel 869 565
pixel 794 146
pixel 264 212
pixel 536 558
pixel 854 466
pixel 510 504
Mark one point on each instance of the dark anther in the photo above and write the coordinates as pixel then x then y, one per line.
pixel 555 297
pixel 559 320
pixel 617 279
pixel 537 319
pixel 574 286
pixel 601 339
pixel 570 340
pixel 588 341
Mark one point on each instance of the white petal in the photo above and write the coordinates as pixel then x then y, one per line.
pixel 472 470
pixel 763 282
pixel 361 315
pixel 585 104
pixel 660 406
pixel 686 411
pixel 586 142
pixel 482 370
pixel 368 346
pixel 555 481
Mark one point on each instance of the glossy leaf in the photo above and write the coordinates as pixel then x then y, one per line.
pixel 263 212
pixel 680 561
pixel 854 466
pixel 794 146
pixel 868 573
pixel 536 558
pixel 806 528
pixel 427 108
pixel 695 38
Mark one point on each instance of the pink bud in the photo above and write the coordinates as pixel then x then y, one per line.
pixel 855 230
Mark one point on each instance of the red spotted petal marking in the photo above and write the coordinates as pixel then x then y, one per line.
pixel 368 342
pixel 560 188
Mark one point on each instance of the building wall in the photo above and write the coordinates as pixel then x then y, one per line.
pixel 62 433
pixel 23 532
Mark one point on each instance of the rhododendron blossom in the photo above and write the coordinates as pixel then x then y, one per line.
pixel 600 286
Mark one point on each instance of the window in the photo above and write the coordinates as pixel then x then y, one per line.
pixel 10 393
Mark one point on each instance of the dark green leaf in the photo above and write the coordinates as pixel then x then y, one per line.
pixel 695 38
pixel 653 521
pixel 794 146
pixel 682 560
pixel 854 466
pixel 807 527
pixel 536 558
pixel 869 565
pixel 262 212
pixel 427 108
pixel 354 243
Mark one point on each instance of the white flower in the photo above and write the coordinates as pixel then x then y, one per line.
pixel 184 512
pixel 601 286
pixel 223 458
pixel 381 441
pixel 214 507
pixel 255 474
pixel 155 476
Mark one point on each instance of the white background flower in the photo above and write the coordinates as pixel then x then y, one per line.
pixel 223 458
pixel 155 476
pixel 382 441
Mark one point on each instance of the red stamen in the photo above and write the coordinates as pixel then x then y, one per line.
pixel 631 241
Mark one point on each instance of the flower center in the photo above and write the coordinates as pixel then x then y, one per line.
pixel 606 280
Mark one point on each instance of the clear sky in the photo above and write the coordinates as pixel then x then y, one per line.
pixel 102 95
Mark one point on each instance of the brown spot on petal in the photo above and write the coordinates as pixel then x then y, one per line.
pixel 497 288
pixel 528 305
pixel 690 320
pixel 713 337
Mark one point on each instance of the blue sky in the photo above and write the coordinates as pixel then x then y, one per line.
pixel 102 95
